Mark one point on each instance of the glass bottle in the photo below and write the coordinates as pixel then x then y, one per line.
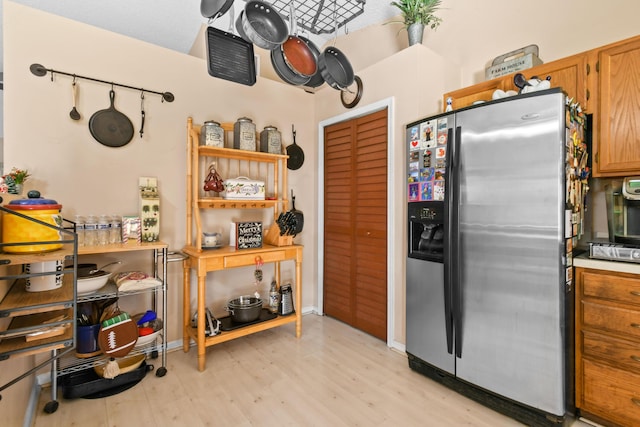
pixel 79 220
pixel 274 297
pixel 115 232
pixel 103 230
pixel 91 231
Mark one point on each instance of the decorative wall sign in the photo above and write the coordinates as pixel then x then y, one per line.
pixel 248 235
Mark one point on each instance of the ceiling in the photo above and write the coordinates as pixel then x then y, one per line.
pixel 175 24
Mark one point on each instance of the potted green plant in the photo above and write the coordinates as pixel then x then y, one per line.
pixel 14 180
pixel 417 15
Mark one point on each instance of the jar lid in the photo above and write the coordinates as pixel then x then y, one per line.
pixel 244 119
pixel 34 202
pixel 269 127
pixel 211 122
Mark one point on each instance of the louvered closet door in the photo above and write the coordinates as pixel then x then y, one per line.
pixel 355 227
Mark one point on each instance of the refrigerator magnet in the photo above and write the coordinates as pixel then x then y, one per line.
pixel 414 156
pixel 414 144
pixel 427 134
pixel 414 133
pixel 426 191
pixel 441 152
pixel 426 159
pixel 414 167
pixel 438 190
pixel 427 174
pixel 439 174
pixel 414 192
pixel 442 132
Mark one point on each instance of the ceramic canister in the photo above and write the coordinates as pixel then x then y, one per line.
pixel 44 283
pixel 20 230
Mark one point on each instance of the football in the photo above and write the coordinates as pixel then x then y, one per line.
pixel 118 335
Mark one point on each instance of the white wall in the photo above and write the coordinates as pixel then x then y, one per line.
pixel 474 32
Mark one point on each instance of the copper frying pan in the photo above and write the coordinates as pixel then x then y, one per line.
pixel 296 52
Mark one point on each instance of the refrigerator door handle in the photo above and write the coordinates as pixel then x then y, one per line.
pixel 455 247
pixel 449 325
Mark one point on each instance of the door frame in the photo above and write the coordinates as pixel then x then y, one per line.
pixel 387 103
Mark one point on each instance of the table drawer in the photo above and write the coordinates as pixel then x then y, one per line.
pixel 612 394
pixel 618 288
pixel 250 259
pixel 615 319
pixel 622 353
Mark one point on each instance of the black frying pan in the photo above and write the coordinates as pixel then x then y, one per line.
pixel 110 127
pixel 214 8
pixel 296 155
pixel 336 68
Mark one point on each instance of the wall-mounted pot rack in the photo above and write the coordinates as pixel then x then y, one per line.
pixel 40 71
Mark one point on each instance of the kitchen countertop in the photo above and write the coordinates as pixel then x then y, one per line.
pixel 584 261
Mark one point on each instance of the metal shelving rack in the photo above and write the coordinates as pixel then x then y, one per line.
pixel 25 307
pixel 160 257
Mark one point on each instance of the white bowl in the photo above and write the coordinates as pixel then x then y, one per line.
pixel 146 339
pixel 89 285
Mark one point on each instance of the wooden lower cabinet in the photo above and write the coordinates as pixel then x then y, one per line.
pixel 608 346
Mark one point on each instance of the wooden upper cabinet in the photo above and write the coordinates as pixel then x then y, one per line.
pixel 569 73
pixel 617 122
pixel 481 92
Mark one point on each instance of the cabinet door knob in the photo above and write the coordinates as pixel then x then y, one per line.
pixel 635 401
pixel 635 358
pixel 635 325
pixel 635 293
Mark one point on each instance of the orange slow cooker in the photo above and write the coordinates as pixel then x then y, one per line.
pixel 16 229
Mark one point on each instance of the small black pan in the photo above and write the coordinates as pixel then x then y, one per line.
pixel 213 9
pixel 336 68
pixel 110 127
pixel 298 222
pixel 296 155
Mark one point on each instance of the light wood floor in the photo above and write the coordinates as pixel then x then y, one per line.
pixel 333 375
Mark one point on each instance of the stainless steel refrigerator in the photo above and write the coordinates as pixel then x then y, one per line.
pixel 493 214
